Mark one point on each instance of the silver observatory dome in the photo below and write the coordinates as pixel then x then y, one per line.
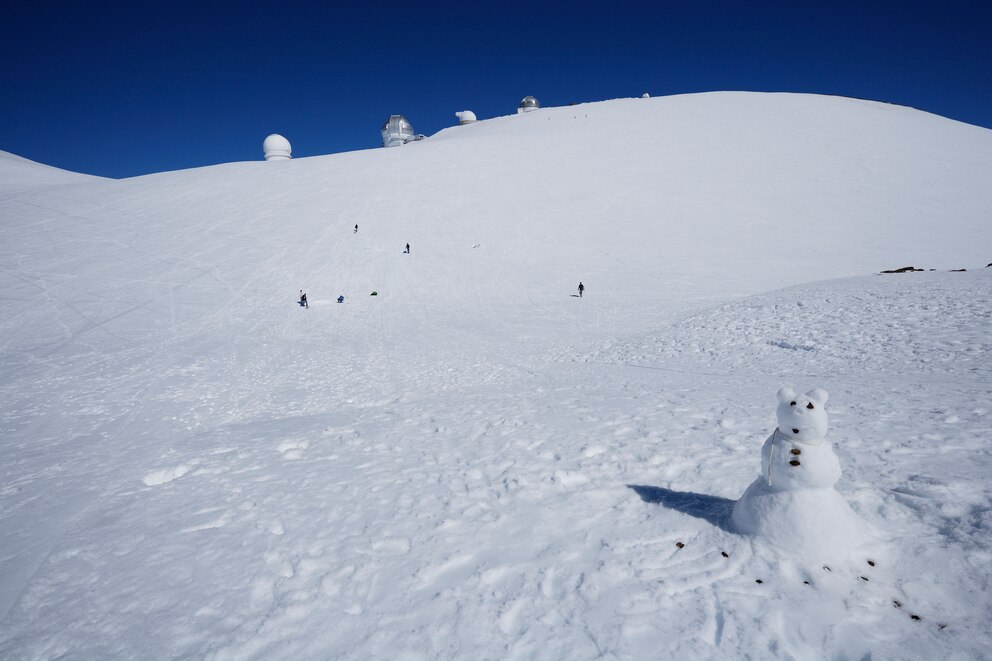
pixel 396 131
pixel 527 104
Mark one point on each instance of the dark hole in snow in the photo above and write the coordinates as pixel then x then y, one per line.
pixel 794 462
pixel 795 431
pixel 796 451
pixel 810 405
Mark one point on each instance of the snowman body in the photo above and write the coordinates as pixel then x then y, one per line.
pixel 790 464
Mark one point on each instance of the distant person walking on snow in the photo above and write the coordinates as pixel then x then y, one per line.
pixel 407 251
pixel 356 229
pixel 582 288
pixel 303 300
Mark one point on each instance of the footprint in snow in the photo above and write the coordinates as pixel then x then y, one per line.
pixel 293 449
pixel 391 547
pixel 570 479
pixel 165 475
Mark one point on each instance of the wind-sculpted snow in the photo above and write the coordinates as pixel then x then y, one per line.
pixel 475 463
pixel 935 325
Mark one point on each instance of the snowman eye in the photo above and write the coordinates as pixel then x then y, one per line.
pixel 810 405
pixel 792 403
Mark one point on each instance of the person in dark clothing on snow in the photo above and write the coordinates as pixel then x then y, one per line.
pixel 356 229
pixel 582 288
pixel 303 300
pixel 407 248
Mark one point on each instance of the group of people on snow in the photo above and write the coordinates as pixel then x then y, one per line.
pixel 406 251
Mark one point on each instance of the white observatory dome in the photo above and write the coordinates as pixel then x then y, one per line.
pixel 528 104
pixel 645 96
pixel 465 117
pixel 397 131
pixel 277 148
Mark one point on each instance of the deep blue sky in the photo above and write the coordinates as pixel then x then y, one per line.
pixel 121 89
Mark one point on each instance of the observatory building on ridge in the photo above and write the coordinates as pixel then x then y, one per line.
pixel 528 104
pixel 398 131
pixel 277 148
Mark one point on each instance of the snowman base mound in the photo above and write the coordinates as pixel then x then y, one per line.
pixel 817 523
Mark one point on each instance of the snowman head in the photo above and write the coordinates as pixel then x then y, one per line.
pixel 802 417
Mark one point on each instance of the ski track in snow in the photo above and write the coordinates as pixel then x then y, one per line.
pixel 475 464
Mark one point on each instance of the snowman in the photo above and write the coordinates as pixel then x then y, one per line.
pixel 793 503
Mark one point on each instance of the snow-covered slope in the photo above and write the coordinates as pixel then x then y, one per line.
pixel 475 463
pixel 17 172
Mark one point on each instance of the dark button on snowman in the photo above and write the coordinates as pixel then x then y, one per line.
pixel 793 503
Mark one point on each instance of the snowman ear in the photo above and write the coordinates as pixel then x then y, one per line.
pixel 818 395
pixel 786 394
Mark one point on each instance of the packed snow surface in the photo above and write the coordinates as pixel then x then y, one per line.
pixel 476 463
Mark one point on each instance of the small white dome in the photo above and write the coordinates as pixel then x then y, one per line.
pixel 277 148
pixel 645 96
pixel 465 116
